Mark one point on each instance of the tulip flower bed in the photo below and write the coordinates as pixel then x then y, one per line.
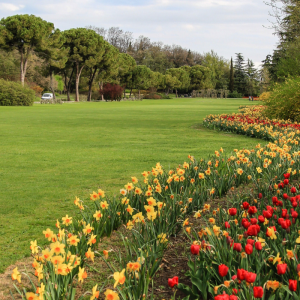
pixel 250 122
pixel 249 251
pixel 256 235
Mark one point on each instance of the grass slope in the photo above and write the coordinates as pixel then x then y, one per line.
pixel 51 153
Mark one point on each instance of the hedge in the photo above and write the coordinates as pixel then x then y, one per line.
pixel 14 94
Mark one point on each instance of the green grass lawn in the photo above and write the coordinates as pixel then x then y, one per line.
pixel 51 153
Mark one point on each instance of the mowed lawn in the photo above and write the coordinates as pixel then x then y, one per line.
pixel 51 153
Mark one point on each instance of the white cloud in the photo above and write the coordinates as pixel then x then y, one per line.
pixel 226 26
pixel 10 7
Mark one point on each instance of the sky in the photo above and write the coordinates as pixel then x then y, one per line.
pixel 224 26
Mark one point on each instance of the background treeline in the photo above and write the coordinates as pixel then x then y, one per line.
pixel 84 60
pixel 281 70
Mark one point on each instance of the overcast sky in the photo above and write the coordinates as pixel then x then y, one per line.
pixel 225 26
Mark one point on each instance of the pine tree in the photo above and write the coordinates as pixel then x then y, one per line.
pixel 231 78
pixel 189 58
pixel 251 79
pixel 130 49
pixel 239 73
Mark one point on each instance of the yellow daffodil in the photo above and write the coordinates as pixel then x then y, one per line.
pixel 111 295
pixel 95 293
pixel 16 275
pixel 90 254
pixel 119 278
pixel 81 275
pixel 67 220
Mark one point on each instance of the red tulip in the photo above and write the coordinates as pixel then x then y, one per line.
pixel 281 269
pixel 232 211
pixel 286 181
pixel 235 291
pixel 245 223
pixel 253 221
pixel 261 219
pixel 195 249
pixel 294 204
pixel 233 297
pixel 260 195
pixel 293 190
pixel 284 224
pixel 250 241
pixel 283 213
pixel 280 220
pixel 252 210
pixel 246 205
pixel 274 200
pixel 258 246
pixel 293 285
pixel 223 270
pixel 250 277
pixel 249 249
pixel 286 175
pixel 227 225
pixel 241 274
pixel 173 281
pixel 258 292
pixel 252 230
pixel 298 268
pixel 222 297
pixel 285 196
pixel 267 214
pixel 237 247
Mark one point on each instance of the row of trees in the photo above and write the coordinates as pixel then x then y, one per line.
pixel 86 58
pixel 244 77
pixel 285 60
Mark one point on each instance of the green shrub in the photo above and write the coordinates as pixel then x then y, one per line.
pixel 234 94
pixel 284 100
pixel 164 96
pixel 13 94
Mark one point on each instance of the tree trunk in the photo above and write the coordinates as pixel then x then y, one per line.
pixel 23 65
pixel 101 87
pixel 176 93
pixel 51 84
pixel 78 73
pixel 139 94
pixel 68 84
pixel 124 91
pixel 91 80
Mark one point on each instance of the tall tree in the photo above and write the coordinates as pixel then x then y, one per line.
pixel 55 56
pixel 105 68
pixel 239 73
pixel 251 78
pixel 26 33
pixel 200 77
pixel 126 65
pixel 231 79
pixel 86 50
pixel 219 69
pixel 141 78
pixel 170 82
pixel 189 58
pixel 182 76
